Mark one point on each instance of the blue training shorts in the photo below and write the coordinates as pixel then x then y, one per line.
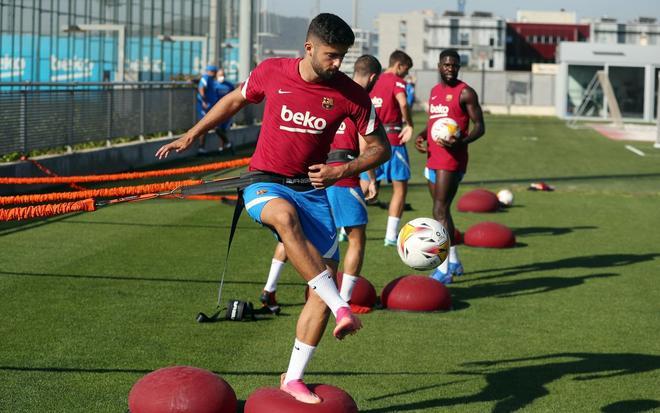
pixel 396 169
pixel 429 174
pixel 313 211
pixel 348 206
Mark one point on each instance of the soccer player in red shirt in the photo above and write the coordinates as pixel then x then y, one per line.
pixel 447 159
pixel 347 201
pixel 389 98
pixel 306 101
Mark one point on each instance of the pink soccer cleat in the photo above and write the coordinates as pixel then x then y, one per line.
pixel 299 390
pixel 347 323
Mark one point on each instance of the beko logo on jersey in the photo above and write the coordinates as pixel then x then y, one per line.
pixel 377 102
pixel 315 124
pixel 342 129
pixel 439 109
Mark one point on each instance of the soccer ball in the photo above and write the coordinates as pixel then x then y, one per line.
pixel 443 128
pixel 423 244
pixel 505 197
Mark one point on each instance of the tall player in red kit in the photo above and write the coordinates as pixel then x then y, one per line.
pixel 389 98
pixel 306 101
pixel 447 159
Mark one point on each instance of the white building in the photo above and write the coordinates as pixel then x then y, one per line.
pixel 643 31
pixel 632 71
pixel 479 38
pixel 366 42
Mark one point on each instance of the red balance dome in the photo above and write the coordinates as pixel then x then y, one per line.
pixel 181 389
pixel 273 400
pixel 478 200
pixel 416 293
pixel 489 235
pixel 363 297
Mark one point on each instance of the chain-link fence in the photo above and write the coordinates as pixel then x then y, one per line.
pixel 50 115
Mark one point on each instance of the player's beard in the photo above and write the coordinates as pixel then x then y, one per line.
pixel 324 74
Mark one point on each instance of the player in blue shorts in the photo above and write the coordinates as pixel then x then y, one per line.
pixel 306 101
pixel 347 201
pixel 389 98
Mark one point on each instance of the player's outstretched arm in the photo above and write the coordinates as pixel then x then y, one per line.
pixel 376 151
pixel 470 102
pixel 221 111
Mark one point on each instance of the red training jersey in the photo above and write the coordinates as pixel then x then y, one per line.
pixel 387 107
pixel 347 138
pixel 301 118
pixel 444 102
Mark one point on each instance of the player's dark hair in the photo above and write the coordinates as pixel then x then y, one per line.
pixel 450 53
pixel 399 56
pixel 366 65
pixel 331 30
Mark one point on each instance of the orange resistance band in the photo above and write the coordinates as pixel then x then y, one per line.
pixel 116 192
pixel 127 175
pixel 36 211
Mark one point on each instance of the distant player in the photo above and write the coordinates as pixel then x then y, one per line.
pixel 207 96
pixel 223 87
pixel 447 159
pixel 389 98
pixel 306 101
pixel 347 200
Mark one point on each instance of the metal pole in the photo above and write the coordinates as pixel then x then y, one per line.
pixel 657 114
pixel 109 111
pixel 23 121
pixel 69 139
pixel 121 47
pixel 214 31
pixel 170 112
pixel 483 81
pixel 245 36
pixel 142 120
pixel 245 58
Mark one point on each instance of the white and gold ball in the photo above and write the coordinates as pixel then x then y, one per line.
pixel 423 244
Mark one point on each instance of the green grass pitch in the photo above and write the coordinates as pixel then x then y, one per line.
pixel 567 321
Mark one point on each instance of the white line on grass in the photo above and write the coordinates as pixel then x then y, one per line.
pixel 635 150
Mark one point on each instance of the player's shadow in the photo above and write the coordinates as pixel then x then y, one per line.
pixel 539 231
pixel 514 384
pixel 526 286
pixel 588 261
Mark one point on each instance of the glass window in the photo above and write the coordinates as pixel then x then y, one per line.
pixel 578 103
pixel 628 85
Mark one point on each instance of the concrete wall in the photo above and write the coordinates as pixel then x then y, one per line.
pixel 511 92
pixel 119 158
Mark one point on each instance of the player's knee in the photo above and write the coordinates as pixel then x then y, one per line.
pixel 285 221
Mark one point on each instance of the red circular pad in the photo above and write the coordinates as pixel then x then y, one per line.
pixel 416 293
pixel 478 200
pixel 364 293
pixel 489 235
pixel 273 400
pixel 363 297
pixel 181 389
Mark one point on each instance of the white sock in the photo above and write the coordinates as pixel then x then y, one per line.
pixel 274 275
pixel 347 284
pixel 453 254
pixel 392 228
pixel 444 267
pixel 325 287
pixel 300 355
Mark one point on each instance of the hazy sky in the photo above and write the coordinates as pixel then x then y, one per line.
pixel 623 10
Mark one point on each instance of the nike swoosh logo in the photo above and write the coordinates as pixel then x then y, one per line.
pixel 297 348
pixel 433 97
pixel 282 92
